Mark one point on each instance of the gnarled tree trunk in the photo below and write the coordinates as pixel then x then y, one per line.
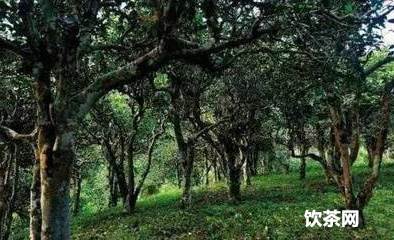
pixel 56 151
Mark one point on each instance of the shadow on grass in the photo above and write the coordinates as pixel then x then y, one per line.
pixel 274 200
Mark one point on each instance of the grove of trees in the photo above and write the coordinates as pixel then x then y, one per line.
pixel 186 92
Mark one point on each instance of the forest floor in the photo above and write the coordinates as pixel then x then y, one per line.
pixel 272 208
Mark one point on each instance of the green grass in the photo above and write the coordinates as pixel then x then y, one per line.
pixel 273 208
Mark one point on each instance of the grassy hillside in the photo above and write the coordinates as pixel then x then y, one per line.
pixel 273 208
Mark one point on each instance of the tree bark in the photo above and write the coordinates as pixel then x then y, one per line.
pixel 207 167
pixel 304 151
pixel 367 190
pixel 133 195
pixel 186 157
pixel 129 206
pixel 247 166
pixel 188 163
pixel 35 205
pixel 8 184
pixel 303 168
pixel 113 187
pixel 235 183
pixel 110 178
pixel 131 202
pixel 370 144
pixel 57 154
pixel 341 142
pixel 117 170
pixel 234 169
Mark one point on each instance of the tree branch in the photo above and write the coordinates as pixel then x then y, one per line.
pixel 388 59
pixel 82 102
pixel 155 137
pixel 11 135
pixel 13 47
pixel 157 57
pixel 206 129
pixel 310 155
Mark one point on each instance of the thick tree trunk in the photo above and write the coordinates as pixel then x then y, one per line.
pixel 188 163
pixel 131 202
pixel 247 167
pixel 303 168
pixel 35 205
pixel 186 159
pixel 129 206
pixel 111 180
pixel 235 183
pixel 341 142
pixel 56 157
pixel 234 170
pixel 113 188
pixel 304 151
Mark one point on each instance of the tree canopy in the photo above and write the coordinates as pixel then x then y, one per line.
pixel 125 97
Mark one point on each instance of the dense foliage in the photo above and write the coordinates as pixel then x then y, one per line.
pixel 135 106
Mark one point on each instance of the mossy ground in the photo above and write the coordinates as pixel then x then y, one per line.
pixel 272 208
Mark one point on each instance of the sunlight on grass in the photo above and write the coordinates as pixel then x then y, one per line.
pixel 273 208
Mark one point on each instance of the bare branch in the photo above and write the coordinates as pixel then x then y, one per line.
pixel 11 135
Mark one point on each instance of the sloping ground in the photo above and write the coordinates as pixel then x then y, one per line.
pixel 273 208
